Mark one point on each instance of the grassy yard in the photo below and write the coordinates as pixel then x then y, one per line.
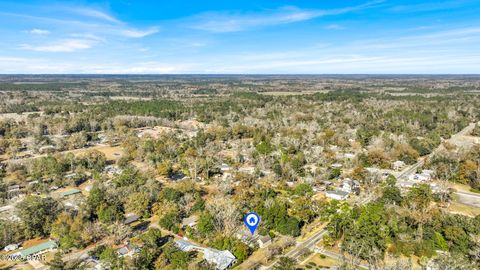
pixel 318 261
pixel 463 209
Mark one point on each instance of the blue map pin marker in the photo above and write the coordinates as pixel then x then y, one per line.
pixel 252 220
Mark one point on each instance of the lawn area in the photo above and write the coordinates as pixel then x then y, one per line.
pixel 460 187
pixel 463 209
pixel 111 152
pixel 318 261
pixel 254 260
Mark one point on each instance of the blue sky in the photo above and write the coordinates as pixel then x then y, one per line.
pixel 258 37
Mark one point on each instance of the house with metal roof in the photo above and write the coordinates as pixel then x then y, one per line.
pixel 186 246
pixel 222 259
pixel 38 249
pixel 69 192
pixel 127 251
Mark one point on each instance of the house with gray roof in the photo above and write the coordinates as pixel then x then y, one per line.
pixel 186 246
pixel 222 259
pixel 337 194
pixel 131 218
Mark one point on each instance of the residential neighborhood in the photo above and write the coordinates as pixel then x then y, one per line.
pixel 165 183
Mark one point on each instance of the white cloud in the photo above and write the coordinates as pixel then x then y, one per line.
pixel 430 40
pixel 231 22
pixel 94 13
pixel 87 36
pixel 37 31
pixel 134 33
pixel 65 45
pixel 78 19
pixel 235 23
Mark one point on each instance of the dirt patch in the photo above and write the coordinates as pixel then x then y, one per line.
pixel 111 152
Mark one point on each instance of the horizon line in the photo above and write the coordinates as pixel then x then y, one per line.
pixel 239 74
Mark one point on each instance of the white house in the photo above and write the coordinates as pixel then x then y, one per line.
pixel 186 246
pixel 33 182
pixel 190 221
pixel 349 156
pixel 350 186
pixel 112 169
pixel 225 168
pixel 398 165
pixel 264 241
pixel 11 247
pixel 47 149
pixel 336 166
pixel 429 172
pixel 247 170
pixel 251 240
pixel 337 194
pixel 222 259
pixel 421 177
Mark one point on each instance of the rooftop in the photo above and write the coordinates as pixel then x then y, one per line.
pixel 190 220
pixel 185 245
pixel 337 192
pixel 69 192
pixel 38 248
pixel 222 259
pixel 131 218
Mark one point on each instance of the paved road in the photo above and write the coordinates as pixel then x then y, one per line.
pixel 312 241
pixel 301 246
pixel 467 198
pixel 82 253
pixel 472 199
